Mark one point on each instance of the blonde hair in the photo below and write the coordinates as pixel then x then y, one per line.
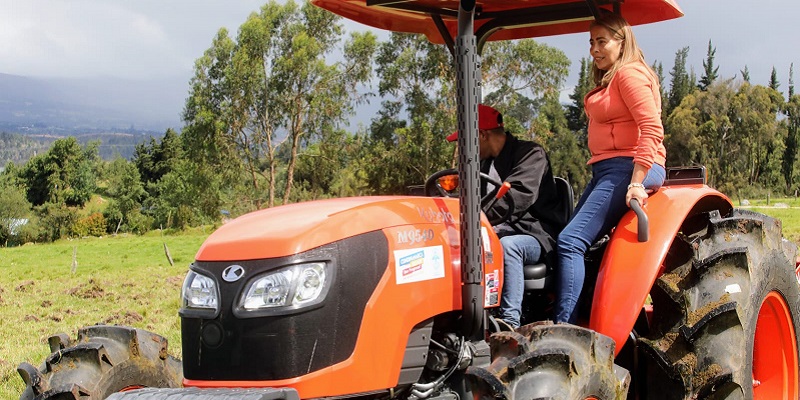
pixel 630 53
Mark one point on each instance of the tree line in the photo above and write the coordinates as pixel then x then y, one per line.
pixel 265 124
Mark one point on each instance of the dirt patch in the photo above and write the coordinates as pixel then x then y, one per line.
pixel 175 281
pixel 31 318
pixel 24 286
pixel 701 312
pixel 701 378
pixel 126 318
pixel 46 303
pixel 7 370
pixel 90 290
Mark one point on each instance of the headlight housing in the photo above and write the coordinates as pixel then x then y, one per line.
pixel 200 294
pixel 286 289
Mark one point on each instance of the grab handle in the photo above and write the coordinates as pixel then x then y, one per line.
pixel 643 226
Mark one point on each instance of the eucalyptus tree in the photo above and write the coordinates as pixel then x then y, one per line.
pixel 754 120
pixel 520 76
pixel 407 138
pixel 271 85
pixel 789 167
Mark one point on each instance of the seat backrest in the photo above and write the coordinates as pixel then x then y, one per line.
pixel 565 193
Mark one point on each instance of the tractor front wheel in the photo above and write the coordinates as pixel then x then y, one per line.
pixel 547 361
pixel 103 361
pixel 726 313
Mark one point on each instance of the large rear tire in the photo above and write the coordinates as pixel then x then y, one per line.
pixel 546 361
pixel 103 361
pixel 725 313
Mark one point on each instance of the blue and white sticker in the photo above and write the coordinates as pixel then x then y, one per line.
pixel 419 264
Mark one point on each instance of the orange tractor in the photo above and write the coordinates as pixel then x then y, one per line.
pixel 392 297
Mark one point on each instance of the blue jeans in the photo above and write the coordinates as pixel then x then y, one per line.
pixel 599 209
pixel 518 251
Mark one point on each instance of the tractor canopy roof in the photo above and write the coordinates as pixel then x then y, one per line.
pixel 496 19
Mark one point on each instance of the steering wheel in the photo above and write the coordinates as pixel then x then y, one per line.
pixel 434 188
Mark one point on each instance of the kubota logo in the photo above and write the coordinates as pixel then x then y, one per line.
pixel 233 273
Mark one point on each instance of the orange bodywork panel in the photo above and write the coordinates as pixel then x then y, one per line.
pixel 414 16
pixel 422 277
pixel 630 268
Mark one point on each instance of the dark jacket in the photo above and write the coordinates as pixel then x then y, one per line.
pixel 526 167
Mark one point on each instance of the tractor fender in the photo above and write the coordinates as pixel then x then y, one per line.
pixel 629 268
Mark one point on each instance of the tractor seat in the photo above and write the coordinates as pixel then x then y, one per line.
pixel 539 276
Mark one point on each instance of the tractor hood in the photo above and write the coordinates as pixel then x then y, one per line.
pixel 294 228
pixel 501 20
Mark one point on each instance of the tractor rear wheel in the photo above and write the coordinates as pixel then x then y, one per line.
pixel 547 361
pixel 105 360
pixel 725 313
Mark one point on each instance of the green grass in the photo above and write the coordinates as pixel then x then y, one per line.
pixel 124 280
pixel 785 209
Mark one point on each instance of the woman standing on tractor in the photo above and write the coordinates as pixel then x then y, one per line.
pixel 627 153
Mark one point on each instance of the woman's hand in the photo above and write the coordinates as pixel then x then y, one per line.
pixel 636 191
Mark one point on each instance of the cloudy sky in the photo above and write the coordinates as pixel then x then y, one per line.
pixel 158 39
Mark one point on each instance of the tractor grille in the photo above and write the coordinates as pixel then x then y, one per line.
pixel 289 345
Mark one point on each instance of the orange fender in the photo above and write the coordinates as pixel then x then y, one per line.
pixel 629 268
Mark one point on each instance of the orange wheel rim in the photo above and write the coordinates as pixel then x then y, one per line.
pixel 775 364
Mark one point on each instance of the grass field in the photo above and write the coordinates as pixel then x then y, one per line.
pixel 117 280
pixel 123 280
pixel 785 209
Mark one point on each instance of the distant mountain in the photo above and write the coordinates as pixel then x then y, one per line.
pixel 118 113
pixel 71 106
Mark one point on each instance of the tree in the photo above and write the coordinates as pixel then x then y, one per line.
pixel 754 123
pixel 792 112
pixel 331 167
pixel 66 174
pixel 272 85
pixel 576 115
pixel 14 207
pixel 710 72
pixel 190 194
pixel 745 74
pixel 774 84
pixel 520 76
pixel 406 142
pixel 658 68
pixel 791 80
pixel 681 84
pixel 127 192
pixel 156 158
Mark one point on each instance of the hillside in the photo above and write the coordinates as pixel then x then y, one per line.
pixel 34 112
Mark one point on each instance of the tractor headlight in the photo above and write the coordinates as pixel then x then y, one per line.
pixel 199 293
pixel 288 288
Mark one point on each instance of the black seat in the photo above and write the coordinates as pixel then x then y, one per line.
pixel 538 276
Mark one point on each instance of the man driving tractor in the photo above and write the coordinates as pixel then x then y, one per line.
pixel 529 235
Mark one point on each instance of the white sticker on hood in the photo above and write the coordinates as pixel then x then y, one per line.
pixel 419 264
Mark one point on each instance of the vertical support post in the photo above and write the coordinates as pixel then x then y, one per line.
pixel 468 92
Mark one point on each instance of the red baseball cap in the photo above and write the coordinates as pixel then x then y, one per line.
pixel 488 118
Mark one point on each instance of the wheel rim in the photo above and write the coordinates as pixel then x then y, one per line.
pixel 775 362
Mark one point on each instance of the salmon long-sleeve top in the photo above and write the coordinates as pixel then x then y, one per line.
pixel 625 118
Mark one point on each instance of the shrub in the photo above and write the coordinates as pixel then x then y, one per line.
pixel 92 225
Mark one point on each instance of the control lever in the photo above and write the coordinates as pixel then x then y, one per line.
pixel 504 188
